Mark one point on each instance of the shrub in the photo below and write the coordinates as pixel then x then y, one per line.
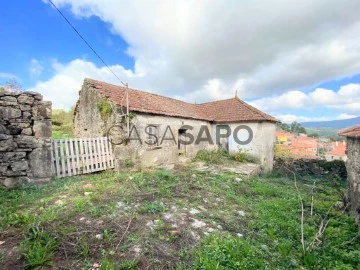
pixel 152 207
pixel 282 151
pixel 38 248
pixel 129 163
pixel 336 168
pixel 227 253
pixel 62 123
pixel 104 108
pixel 213 156
pixel 244 156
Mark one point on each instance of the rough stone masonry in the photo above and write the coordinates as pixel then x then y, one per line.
pixel 25 138
pixel 353 167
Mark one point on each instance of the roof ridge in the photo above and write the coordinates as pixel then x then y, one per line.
pixel 256 110
pixel 142 91
pixel 225 110
pixel 214 101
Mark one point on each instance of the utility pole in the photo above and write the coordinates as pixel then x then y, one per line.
pixel 127 110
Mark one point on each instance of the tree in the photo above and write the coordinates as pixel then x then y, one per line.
pixel 11 85
pixel 283 126
pixel 297 128
pixel 314 135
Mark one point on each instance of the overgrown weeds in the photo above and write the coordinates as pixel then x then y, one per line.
pixel 104 108
pixel 152 207
pixel 244 156
pixel 38 247
pixel 219 156
pixel 127 221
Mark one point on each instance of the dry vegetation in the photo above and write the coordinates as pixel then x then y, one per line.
pixel 179 219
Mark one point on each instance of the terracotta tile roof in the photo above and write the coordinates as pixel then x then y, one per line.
pixel 281 133
pixel 303 152
pixel 304 142
pixel 339 150
pixel 233 110
pixel 229 110
pixel 350 132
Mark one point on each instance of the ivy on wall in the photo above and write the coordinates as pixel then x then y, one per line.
pixel 104 108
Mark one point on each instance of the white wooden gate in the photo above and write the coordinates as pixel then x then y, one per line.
pixel 81 156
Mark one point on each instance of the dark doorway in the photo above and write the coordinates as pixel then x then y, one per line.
pixel 181 136
pixel 224 142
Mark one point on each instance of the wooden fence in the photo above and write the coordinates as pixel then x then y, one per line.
pixel 81 155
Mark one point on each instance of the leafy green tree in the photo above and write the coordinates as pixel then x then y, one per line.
pixel 283 126
pixel 297 128
pixel 314 135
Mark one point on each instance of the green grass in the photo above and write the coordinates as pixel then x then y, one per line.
pixel 227 253
pixel 272 237
pixel 152 207
pixel 213 156
pixel 58 133
pixel 330 133
pixel 221 156
pixel 68 215
pixel 38 247
pixel 62 124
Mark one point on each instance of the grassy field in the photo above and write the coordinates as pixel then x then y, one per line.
pixel 179 219
pixel 325 132
pixel 62 124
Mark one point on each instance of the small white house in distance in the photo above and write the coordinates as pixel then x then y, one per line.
pixel 160 125
pixel 338 152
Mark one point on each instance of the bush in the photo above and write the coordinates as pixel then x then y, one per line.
pixel 104 108
pixel 38 248
pixel 62 124
pixel 218 252
pixel 213 156
pixel 129 163
pixel 336 168
pixel 282 151
pixel 244 156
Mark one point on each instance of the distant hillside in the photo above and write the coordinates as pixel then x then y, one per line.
pixel 335 124
pixel 330 133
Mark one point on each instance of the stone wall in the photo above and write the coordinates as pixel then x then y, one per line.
pixel 353 168
pixel 311 167
pixel 25 138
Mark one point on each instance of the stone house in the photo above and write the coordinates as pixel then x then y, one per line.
pixel 165 130
pixel 353 167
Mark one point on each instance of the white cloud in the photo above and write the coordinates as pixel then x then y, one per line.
pixel 347 99
pixel 289 118
pixel 62 89
pixel 6 75
pixel 205 50
pixel 291 99
pixel 268 46
pixel 35 68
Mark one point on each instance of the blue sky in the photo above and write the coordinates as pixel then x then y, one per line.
pixel 300 61
pixel 41 34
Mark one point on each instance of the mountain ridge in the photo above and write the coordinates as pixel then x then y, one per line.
pixel 335 124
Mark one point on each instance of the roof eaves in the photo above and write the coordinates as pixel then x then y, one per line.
pixel 350 132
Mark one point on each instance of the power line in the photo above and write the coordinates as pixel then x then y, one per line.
pixel 84 40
